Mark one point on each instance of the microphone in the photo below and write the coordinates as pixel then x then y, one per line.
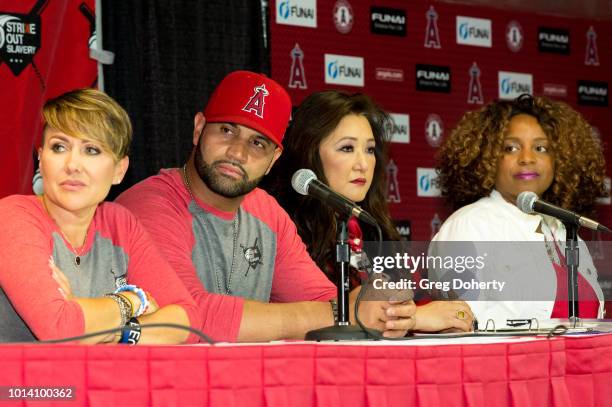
pixel 305 182
pixel 529 202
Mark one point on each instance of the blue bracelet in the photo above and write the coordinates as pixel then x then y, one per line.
pixel 144 301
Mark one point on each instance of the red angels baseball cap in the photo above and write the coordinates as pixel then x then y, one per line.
pixel 252 100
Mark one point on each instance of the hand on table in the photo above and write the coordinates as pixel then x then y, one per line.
pixel 394 318
pixel 447 316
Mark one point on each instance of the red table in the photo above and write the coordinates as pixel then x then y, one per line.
pixel 557 372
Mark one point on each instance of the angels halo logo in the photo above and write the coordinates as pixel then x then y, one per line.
pixel 514 36
pixel 343 16
pixel 434 130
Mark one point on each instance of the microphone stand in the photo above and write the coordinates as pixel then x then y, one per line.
pixel 572 257
pixel 342 330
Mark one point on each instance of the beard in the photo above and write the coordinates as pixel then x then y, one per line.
pixel 220 183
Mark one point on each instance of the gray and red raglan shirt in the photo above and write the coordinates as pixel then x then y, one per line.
pixel 117 250
pixel 224 257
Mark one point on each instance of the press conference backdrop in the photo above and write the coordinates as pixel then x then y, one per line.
pixel 429 62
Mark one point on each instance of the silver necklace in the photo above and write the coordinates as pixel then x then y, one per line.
pixel 235 231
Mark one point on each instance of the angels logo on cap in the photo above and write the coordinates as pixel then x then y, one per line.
pixel 243 97
pixel 257 102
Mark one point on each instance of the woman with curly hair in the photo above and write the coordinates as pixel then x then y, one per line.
pixel 507 147
pixel 343 139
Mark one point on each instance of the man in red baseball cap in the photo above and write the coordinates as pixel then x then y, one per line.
pixel 234 247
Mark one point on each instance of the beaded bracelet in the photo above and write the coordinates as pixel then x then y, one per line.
pixel 125 307
pixel 130 333
pixel 129 301
pixel 142 295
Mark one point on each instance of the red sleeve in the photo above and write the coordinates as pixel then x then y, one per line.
pixel 163 212
pixel 296 275
pixel 148 269
pixel 25 277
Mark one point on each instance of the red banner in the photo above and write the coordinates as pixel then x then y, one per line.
pixel 44 51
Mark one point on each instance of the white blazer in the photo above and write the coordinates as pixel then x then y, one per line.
pixel 526 267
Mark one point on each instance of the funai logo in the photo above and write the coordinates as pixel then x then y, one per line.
pixel 427 182
pixel 388 18
pixel 344 70
pixel 433 78
pixel 399 128
pixel 474 31
pixel 591 93
pixel 513 84
pixel 332 69
pixel 509 86
pixel 433 75
pixel 552 37
pixel 424 182
pixel 555 40
pixel 302 13
pixel 591 90
pixel 284 9
pixel 388 21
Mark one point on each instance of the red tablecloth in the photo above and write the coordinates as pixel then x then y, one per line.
pixel 556 372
